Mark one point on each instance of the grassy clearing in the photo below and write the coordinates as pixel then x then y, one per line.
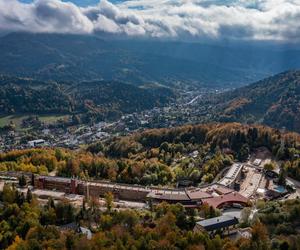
pixel 52 118
pixel 17 119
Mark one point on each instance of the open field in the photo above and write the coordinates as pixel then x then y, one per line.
pixel 17 119
pixel 5 120
pixel 52 118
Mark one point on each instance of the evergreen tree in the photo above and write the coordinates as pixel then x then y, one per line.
pixel 29 195
pixel 22 181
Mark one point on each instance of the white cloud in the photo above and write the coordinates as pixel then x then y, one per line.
pixel 43 16
pixel 176 19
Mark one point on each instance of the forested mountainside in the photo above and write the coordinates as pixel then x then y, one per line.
pixel 274 101
pixel 152 157
pixel 161 156
pixel 98 98
pixel 74 57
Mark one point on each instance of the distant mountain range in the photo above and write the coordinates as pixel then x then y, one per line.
pixel 77 58
pixel 97 99
pixel 274 101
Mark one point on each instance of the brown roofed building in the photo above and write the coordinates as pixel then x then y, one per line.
pixel 226 199
pixel 197 194
pixel 168 196
pixel 65 185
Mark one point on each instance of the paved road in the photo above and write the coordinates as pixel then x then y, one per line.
pixel 193 100
pixel 233 212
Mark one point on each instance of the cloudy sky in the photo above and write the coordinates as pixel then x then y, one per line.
pixel 245 20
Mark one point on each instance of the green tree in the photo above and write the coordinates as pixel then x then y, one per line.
pixel 244 152
pixel 59 154
pixel 245 214
pixel 8 194
pixel 282 177
pixel 70 241
pixel 164 147
pixel 269 166
pixel 29 195
pixel 109 201
pixel 22 181
pixel 260 239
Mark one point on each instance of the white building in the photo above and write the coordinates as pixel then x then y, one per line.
pixel 37 143
pixel 257 162
pixel 232 175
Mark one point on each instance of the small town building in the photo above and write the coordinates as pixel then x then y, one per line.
pixel 37 143
pixel 215 195
pixel 73 226
pixel 233 176
pixel 222 223
pixel 61 184
pixel 257 162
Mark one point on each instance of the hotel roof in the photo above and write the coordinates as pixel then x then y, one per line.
pixel 58 179
pixel 218 222
pixel 233 171
pixel 232 197
pixel 197 194
pixel 169 195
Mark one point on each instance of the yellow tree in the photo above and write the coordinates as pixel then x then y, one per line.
pixel 109 201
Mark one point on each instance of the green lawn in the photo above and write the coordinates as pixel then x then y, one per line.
pixel 17 119
pixel 52 118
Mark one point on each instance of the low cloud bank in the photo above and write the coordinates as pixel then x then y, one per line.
pixel 258 20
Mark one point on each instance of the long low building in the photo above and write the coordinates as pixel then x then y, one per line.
pixel 65 185
pixel 215 195
pixel 232 176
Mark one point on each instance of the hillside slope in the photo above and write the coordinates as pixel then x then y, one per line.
pixel 274 101
pixel 100 98
pixel 75 57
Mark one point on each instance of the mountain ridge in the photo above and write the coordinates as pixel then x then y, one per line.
pixel 78 57
pixel 101 99
pixel 273 101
